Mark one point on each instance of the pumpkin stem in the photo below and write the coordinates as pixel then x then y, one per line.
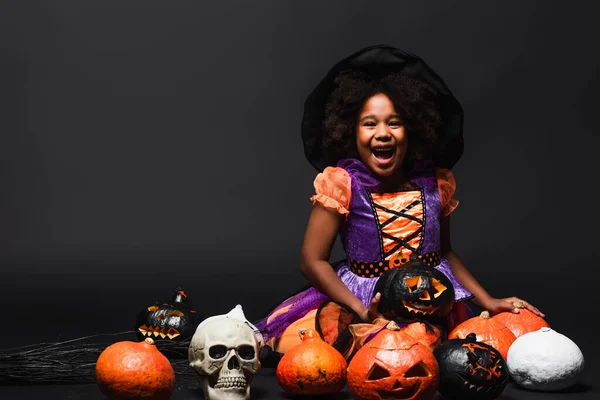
pixel 393 326
pixel 180 296
pixel 149 340
pixel 301 333
pixel 485 314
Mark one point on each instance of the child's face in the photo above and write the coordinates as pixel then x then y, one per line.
pixel 380 136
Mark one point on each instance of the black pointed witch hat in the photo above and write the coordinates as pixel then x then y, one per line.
pixel 378 61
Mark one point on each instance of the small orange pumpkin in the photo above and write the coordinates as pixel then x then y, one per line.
pixel 523 322
pixel 487 330
pixel 393 365
pixel 426 334
pixel 312 367
pixel 135 370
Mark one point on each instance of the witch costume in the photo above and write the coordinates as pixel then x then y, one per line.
pixel 378 227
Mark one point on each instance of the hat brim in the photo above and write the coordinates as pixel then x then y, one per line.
pixel 380 60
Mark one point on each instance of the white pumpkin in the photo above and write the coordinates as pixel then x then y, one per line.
pixel 544 360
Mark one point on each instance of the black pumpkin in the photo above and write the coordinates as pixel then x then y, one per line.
pixel 470 369
pixel 415 291
pixel 174 321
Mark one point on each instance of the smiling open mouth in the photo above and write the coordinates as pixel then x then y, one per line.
pixel 383 153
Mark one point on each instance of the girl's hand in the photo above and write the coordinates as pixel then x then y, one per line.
pixel 512 304
pixel 371 313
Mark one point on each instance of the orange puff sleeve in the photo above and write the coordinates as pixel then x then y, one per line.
pixel 446 187
pixel 333 189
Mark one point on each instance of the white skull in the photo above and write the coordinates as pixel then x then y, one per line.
pixel 224 354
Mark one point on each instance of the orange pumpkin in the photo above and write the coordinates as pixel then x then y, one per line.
pixel 487 330
pixel 135 370
pixel 523 322
pixel 426 334
pixel 312 367
pixel 393 365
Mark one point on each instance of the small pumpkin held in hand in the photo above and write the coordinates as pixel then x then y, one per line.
pixel 135 371
pixel 470 370
pixel 312 367
pixel 487 330
pixel 523 322
pixel 393 365
pixel 415 291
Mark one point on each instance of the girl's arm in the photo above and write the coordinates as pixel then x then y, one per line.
pixel 482 297
pixel 319 238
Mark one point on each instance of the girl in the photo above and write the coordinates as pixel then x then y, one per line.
pixel 385 131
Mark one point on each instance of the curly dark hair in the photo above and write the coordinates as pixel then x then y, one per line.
pixel 413 101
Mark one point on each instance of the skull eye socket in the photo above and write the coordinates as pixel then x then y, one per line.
pixel 246 352
pixel 217 352
pixel 419 370
pixel 377 373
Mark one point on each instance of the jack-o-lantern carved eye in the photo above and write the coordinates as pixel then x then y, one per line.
pixel 377 372
pixel 153 308
pixel 413 283
pixel 437 287
pixel 175 314
pixel 419 370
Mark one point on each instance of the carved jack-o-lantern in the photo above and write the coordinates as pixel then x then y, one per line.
pixel 174 321
pixel 470 369
pixel 393 365
pixel 415 290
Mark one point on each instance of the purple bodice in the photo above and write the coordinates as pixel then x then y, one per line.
pixel 360 234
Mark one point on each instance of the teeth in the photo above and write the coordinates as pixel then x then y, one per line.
pixel 422 309
pixel 231 382
pixel 156 331
pixel 172 333
pixel 383 151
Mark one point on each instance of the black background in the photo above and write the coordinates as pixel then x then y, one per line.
pixel 146 145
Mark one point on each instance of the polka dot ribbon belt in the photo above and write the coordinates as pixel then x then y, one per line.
pixel 377 268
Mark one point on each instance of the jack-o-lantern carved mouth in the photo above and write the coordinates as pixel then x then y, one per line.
pixel 477 386
pixel 398 391
pixel 158 331
pixel 419 308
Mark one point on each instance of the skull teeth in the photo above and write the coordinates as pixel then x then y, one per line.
pixel 231 382
pixel 157 330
